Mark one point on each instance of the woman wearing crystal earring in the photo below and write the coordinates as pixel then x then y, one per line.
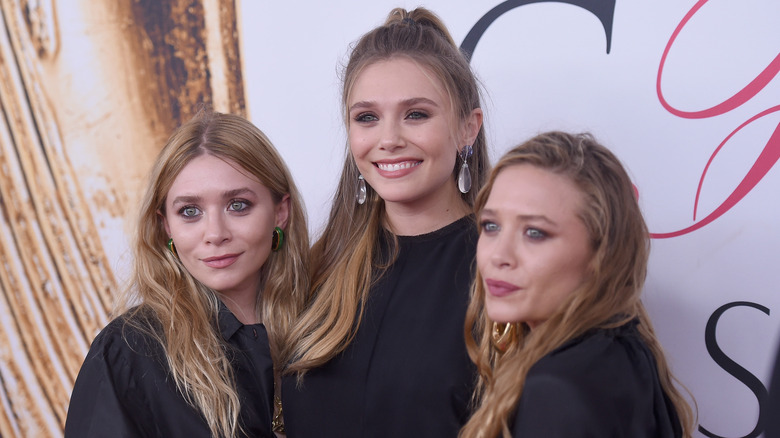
pixel 201 329
pixel 556 326
pixel 379 350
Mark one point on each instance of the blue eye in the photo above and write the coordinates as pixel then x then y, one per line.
pixel 366 117
pixel 416 115
pixel 489 227
pixel 238 205
pixel 189 211
pixel 535 234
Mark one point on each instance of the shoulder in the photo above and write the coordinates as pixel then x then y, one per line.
pixel 599 353
pixel 594 382
pixel 121 379
pixel 127 338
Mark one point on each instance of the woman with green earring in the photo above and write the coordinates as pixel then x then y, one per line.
pixel 220 273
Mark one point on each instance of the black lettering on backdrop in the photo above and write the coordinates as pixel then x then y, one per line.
pixel 604 10
pixel 734 368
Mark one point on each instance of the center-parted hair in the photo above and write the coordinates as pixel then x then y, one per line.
pixel 344 258
pixel 178 311
pixel 609 297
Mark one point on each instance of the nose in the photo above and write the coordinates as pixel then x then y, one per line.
pixel 391 137
pixel 504 251
pixel 217 230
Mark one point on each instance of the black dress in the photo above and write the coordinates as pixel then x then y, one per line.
pixel 406 373
pixel 125 389
pixel 604 384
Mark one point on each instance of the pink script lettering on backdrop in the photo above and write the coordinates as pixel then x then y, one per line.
pixel 765 161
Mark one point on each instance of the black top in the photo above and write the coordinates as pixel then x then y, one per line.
pixel 604 384
pixel 407 372
pixel 125 388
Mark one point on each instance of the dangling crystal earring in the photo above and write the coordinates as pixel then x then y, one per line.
pixel 361 191
pixel 464 176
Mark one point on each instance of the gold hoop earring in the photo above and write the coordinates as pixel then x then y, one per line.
pixel 502 338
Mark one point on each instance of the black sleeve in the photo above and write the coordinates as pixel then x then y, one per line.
pixel 604 385
pixel 100 405
pixel 555 407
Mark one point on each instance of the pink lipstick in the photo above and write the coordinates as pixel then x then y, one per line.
pixel 499 288
pixel 220 262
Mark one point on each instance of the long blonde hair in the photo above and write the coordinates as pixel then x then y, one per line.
pixel 344 258
pixel 609 298
pixel 181 313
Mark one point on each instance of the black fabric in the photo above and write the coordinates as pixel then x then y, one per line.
pixel 772 416
pixel 407 373
pixel 125 389
pixel 604 384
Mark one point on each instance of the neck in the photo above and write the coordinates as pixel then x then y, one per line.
pixel 242 306
pixel 414 219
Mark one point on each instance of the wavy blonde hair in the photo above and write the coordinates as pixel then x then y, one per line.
pixel 181 313
pixel 344 257
pixel 609 298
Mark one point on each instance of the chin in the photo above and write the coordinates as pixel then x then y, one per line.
pixel 501 315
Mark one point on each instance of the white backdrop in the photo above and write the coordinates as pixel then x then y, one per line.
pixel 545 66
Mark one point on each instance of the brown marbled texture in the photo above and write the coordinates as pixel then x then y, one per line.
pixel 89 92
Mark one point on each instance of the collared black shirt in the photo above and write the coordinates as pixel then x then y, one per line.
pixel 125 389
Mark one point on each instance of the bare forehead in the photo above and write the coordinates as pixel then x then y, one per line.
pixel 410 76
pixel 525 186
pixel 207 170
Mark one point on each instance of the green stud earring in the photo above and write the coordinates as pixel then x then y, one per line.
pixel 277 239
pixel 172 247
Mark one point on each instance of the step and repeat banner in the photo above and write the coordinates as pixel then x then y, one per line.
pixel 685 92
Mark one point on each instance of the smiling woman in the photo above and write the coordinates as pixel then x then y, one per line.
pixel 379 352
pixel 400 135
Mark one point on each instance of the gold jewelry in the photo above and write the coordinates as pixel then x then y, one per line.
pixel 277 424
pixel 503 337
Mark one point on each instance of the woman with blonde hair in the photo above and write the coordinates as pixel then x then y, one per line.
pixel 556 326
pixel 220 273
pixel 379 349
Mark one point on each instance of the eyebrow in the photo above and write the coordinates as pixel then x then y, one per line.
pixel 189 199
pixel 407 102
pixel 523 217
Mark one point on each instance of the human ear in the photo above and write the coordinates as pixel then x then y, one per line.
pixel 283 211
pixel 165 223
pixel 471 126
